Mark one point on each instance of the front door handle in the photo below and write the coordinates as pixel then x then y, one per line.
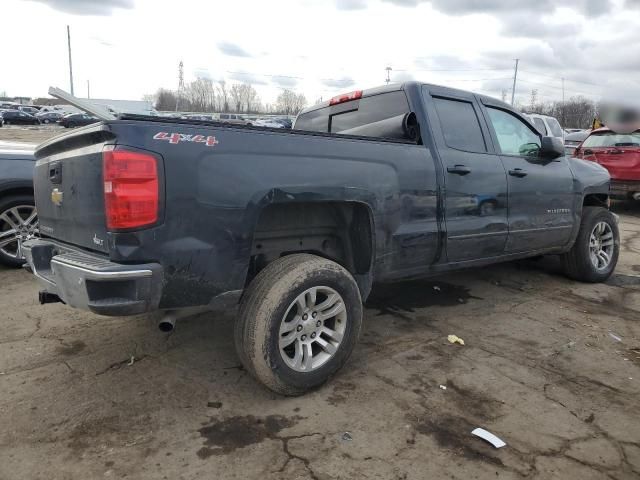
pixel 459 169
pixel 518 172
pixel 588 152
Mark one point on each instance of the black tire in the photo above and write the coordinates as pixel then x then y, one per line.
pixel 577 262
pixel 264 305
pixel 5 204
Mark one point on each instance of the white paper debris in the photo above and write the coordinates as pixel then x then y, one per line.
pixel 615 337
pixel 489 437
pixel 443 387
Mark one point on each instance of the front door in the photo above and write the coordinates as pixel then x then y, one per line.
pixel 541 199
pixel 475 197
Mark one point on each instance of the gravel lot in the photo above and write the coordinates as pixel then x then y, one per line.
pixel 30 134
pixel 550 366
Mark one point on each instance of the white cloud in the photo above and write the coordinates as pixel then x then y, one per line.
pixel 129 48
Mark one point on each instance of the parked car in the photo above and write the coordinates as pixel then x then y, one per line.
pixel 1 119
pixel 18 220
pixel 141 215
pixel 285 122
pixel 16 117
pixel 233 118
pixel 267 122
pixel 547 125
pixel 28 109
pixel 573 141
pixel 199 116
pixel 619 153
pixel 77 120
pixel 572 130
pixel 49 117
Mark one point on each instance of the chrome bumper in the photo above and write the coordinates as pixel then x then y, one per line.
pixel 91 282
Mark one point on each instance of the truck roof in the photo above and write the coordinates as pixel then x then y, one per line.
pixel 392 87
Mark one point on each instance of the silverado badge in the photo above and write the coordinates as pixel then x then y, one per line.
pixel 56 197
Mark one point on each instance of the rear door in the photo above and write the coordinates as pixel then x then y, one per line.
pixel 475 180
pixel 541 199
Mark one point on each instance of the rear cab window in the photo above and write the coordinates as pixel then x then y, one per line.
pixel 342 117
pixel 460 125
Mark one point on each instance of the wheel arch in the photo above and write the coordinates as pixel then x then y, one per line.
pixel 342 230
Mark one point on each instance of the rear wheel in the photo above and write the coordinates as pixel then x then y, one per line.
pixel 18 223
pixel 299 321
pixel 594 255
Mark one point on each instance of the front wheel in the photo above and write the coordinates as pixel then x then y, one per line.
pixel 594 255
pixel 299 321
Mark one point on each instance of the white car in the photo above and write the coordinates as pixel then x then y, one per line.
pixel 546 125
pixel 267 122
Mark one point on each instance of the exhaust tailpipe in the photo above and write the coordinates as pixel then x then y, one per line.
pixel 168 322
pixel 46 297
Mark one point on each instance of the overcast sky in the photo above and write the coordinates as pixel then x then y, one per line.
pixel 128 48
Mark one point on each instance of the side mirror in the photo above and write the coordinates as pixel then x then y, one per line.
pixel 551 147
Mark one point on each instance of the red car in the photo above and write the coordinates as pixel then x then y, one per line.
pixel 619 153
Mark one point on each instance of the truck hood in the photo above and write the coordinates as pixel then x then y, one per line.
pixel 590 176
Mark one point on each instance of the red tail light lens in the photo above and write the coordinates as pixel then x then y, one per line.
pixel 347 97
pixel 130 189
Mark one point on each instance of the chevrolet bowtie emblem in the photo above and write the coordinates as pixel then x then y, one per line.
pixel 56 197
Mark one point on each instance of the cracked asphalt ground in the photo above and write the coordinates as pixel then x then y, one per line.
pixel 551 366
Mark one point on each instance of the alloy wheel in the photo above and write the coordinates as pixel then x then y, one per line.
pixel 17 225
pixel 312 328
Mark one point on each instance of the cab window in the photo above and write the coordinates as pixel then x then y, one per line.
pixel 515 137
pixel 460 125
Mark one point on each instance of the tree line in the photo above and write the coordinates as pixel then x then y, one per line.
pixel 576 112
pixel 203 95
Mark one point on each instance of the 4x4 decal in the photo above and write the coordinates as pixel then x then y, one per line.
pixel 175 138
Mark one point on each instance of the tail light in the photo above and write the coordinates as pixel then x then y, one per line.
pixel 347 97
pixel 131 194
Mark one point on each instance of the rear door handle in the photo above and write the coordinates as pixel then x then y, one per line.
pixel 587 152
pixel 518 172
pixel 459 169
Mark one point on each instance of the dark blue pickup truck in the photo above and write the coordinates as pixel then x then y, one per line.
pixel 18 220
pixel 143 213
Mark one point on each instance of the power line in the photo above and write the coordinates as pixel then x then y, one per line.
pixel 560 88
pixel 560 78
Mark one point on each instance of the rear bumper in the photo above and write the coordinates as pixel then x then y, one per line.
pixel 92 282
pixel 624 188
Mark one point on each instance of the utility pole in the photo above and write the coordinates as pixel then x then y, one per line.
pixel 180 82
pixel 564 108
pixel 88 96
pixel 515 76
pixel 388 69
pixel 70 65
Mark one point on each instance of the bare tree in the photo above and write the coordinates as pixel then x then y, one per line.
pixel 236 97
pixel 290 102
pixel 223 96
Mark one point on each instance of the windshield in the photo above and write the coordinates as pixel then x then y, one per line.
pixel 611 139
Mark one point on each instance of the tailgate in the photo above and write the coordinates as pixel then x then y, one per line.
pixel 68 187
